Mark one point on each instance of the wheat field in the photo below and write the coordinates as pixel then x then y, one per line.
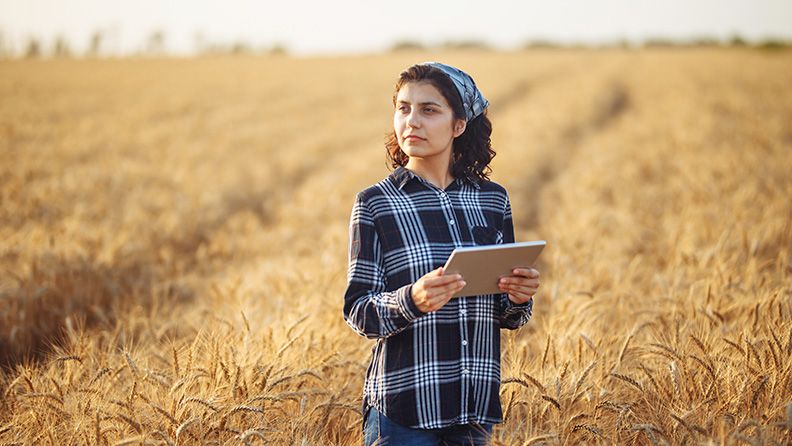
pixel 174 245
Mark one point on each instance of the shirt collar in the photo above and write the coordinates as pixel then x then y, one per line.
pixel 402 176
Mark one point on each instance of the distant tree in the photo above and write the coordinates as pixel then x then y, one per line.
pixel 773 44
pixel 622 44
pixel 540 43
pixel 659 42
pixel 705 42
pixel 155 43
pixel 737 40
pixel 465 45
pixel 61 47
pixel 278 49
pixel 408 45
pixel 95 43
pixel 239 47
pixel 33 48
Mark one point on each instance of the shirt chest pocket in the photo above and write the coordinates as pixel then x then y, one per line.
pixel 487 235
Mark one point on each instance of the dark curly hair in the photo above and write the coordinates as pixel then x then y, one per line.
pixel 472 149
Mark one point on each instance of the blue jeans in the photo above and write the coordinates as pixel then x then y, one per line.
pixel 378 428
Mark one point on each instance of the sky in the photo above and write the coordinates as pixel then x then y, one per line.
pixel 359 26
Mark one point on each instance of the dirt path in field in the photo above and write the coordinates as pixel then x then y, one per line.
pixel 612 102
pixel 543 130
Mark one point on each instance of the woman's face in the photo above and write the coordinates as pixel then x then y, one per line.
pixel 424 122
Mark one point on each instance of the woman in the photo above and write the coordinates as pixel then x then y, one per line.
pixel 434 375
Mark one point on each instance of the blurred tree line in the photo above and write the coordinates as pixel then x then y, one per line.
pixel 652 42
pixel 155 45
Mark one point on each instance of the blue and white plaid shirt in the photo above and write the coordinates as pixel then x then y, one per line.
pixel 427 370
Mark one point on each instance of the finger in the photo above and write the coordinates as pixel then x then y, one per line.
pixel 451 288
pixel 447 296
pixel 524 292
pixel 442 281
pixel 519 281
pixel 526 272
pixel 439 301
pixel 519 289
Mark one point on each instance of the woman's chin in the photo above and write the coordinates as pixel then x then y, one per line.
pixel 416 152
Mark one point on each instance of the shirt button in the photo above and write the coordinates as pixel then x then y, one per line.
pixel 465 371
pixel 464 342
pixel 463 312
pixel 451 222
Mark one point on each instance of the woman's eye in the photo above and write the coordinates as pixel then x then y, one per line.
pixel 429 110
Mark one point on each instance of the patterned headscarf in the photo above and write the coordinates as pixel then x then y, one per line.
pixel 472 100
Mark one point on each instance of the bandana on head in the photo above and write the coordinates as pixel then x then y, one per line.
pixel 472 100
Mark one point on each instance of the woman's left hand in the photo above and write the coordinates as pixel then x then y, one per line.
pixel 521 286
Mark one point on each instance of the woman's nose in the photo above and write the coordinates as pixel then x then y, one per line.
pixel 413 119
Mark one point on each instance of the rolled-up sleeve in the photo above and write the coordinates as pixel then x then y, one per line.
pixel 512 316
pixel 370 308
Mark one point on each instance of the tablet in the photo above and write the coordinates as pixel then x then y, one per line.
pixel 482 266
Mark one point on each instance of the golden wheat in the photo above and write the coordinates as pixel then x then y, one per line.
pixel 175 232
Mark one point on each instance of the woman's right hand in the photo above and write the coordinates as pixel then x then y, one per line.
pixel 435 289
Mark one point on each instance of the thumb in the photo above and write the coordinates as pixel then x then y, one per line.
pixel 440 270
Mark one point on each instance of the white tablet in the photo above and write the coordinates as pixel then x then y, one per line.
pixel 482 266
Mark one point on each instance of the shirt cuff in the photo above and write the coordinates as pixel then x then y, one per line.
pixel 407 305
pixel 511 305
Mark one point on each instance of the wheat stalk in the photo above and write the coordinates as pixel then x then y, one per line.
pixel 624 348
pixel 540 438
pixel 202 402
pixel 552 401
pixel 628 380
pixel 583 377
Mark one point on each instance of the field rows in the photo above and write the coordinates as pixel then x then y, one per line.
pixel 179 227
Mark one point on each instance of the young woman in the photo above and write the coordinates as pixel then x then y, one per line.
pixel 434 376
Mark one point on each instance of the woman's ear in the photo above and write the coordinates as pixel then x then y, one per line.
pixel 459 127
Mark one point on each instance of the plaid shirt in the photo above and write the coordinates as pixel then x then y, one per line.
pixel 428 370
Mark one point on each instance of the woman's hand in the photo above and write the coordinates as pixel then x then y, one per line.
pixel 435 289
pixel 521 286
